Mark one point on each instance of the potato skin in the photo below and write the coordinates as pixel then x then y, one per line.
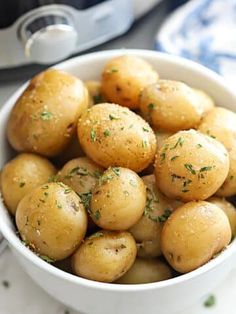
pixel 146 271
pixel 170 105
pixel 118 200
pixel 205 101
pixel 52 220
pixel 220 123
pixel 21 175
pixel 147 231
pixel 228 188
pixel 189 236
pixel 105 256
pixel 115 136
pixel 124 78
pixel 191 166
pixel 228 209
pixel 44 117
pixel 80 174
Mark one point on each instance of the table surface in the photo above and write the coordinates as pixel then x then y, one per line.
pixel 22 295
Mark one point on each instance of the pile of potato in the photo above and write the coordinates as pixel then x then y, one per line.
pixel 139 161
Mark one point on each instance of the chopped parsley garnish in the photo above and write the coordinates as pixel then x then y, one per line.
pixel 67 191
pixel 107 133
pixel 207 168
pixel 93 135
pixel 186 182
pixel 174 158
pixel 79 171
pixel 45 187
pixel 179 142
pixel 112 117
pixel 46 194
pixel 175 176
pixel 47 259
pixel 145 130
pixel 58 205
pixel 105 178
pixel 113 70
pixel 165 216
pixel 116 171
pixel 163 153
pixel 189 167
pixel 185 190
pixel 210 301
pixel 231 177
pixel 97 174
pixel 97 215
pixel 21 184
pixel 85 199
pixel 151 106
pixel 199 145
pixel 209 134
pixel 144 143
pixel 52 178
pixel 98 234
pixel 46 115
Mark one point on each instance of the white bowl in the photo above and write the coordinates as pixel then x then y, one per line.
pixel 92 297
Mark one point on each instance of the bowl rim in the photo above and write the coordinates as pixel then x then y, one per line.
pixel 31 257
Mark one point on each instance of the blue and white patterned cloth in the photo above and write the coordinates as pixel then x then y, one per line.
pixel 204 31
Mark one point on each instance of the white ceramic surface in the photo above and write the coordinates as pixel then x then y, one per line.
pixel 165 297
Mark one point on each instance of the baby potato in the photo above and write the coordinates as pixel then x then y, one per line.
pixel 52 220
pixel 21 175
pixel 146 271
pixel 228 209
pixel 118 200
pixel 81 174
pixel 147 231
pixel 44 117
pixel 170 105
pixel 191 166
pixel 220 123
pixel 124 78
pixel 115 136
pixel 105 256
pixel 205 101
pixel 193 234
pixel 94 89
pixel 229 186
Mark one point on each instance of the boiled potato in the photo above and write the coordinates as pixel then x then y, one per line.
pixel 21 175
pixel 147 231
pixel 220 123
pixel 118 200
pixel 229 210
pixel 205 101
pixel 170 105
pixel 229 186
pixel 115 136
pixel 94 89
pixel 81 174
pixel 124 78
pixel 52 220
pixel 191 166
pixel 193 234
pixel 44 117
pixel 146 271
pixel 105 256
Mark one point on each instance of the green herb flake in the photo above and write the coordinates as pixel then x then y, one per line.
pixel 46 194
pixel 112 70
pixel 67 191
pixel 107 133
pixel 79 171
pixel 47 259
pixel 116 171
pixel 165 216
pixel 179 142
pixel 112 117
pixel 207 168
pixel 45 187
pixel 98 234
pixel 52 178
pixel 185 190
pixel 189 167
pixel 21 184
pixel 151 106
pixel 86 199
pixel 46 115
pixel 145 129
pixel 97 174
pixel 58 205
pixel 209 134
pixel 6 284
pixel 144 143
pixel 97 215
pixel 199 145
pixel 231 177
pixel 93 135
pixel 210 301
pixel 175 176
pixel 174 158
pixel 163 153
